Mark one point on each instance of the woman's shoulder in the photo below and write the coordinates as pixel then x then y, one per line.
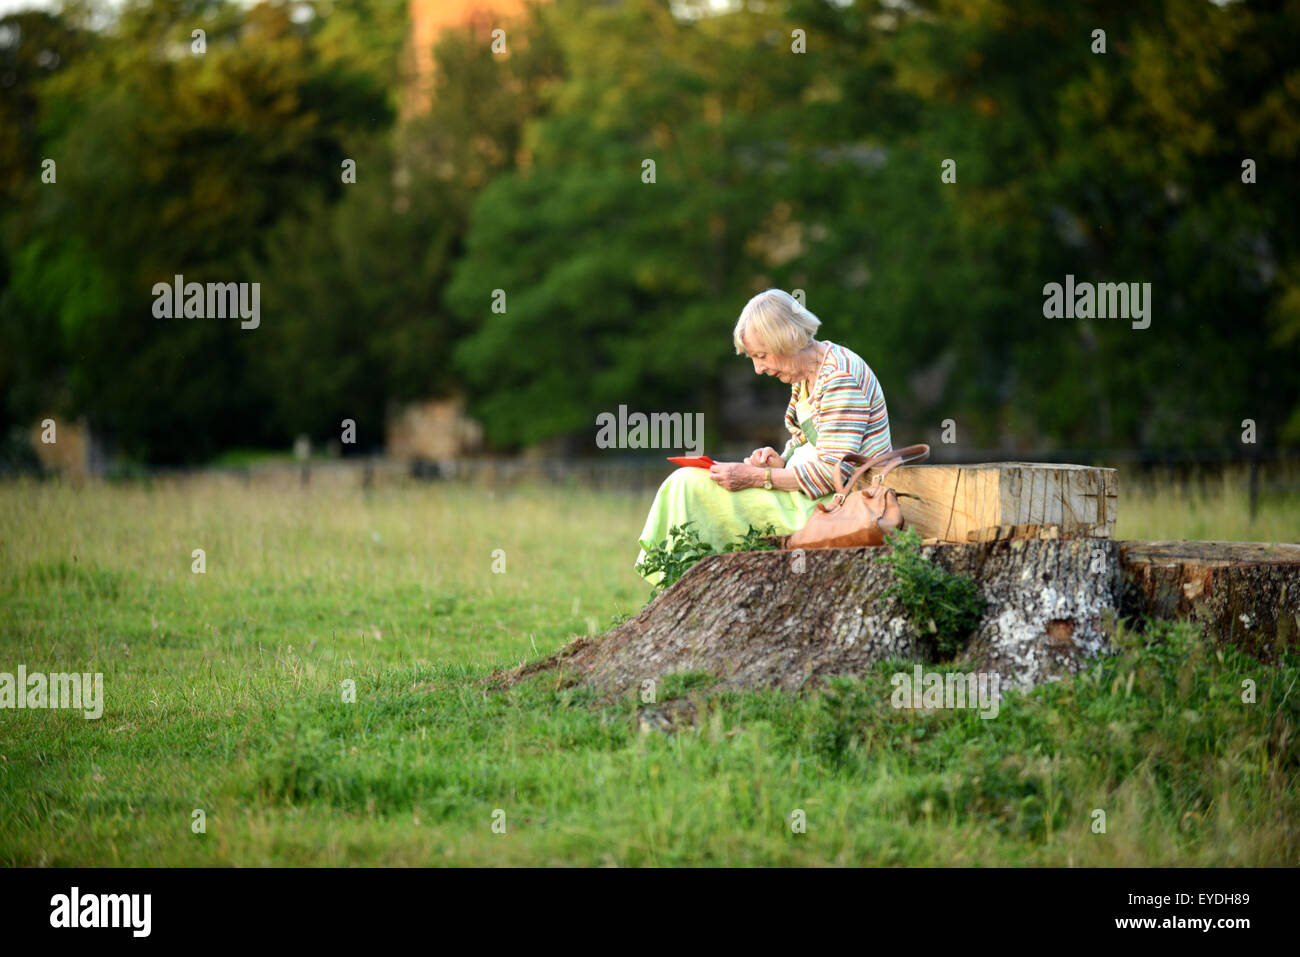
pixel 847 364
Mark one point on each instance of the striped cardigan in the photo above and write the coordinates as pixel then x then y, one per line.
pixel 850 415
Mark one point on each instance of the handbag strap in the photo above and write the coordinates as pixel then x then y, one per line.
pixel 893 458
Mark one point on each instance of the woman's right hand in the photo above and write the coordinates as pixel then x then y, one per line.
pixel 765 457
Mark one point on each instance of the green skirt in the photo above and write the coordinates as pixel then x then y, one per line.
pixel 719 516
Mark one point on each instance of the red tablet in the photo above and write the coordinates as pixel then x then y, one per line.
pixel 703 462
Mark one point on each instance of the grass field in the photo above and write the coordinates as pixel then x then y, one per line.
pixel 223 694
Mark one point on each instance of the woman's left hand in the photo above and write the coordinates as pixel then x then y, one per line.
pixel 733 476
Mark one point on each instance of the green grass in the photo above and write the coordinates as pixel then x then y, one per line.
pixel 223 694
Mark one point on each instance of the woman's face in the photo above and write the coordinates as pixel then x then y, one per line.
pixel 783 367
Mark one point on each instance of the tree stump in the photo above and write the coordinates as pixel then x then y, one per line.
pixel 790 619
pixel 1243 593
pixel 784 619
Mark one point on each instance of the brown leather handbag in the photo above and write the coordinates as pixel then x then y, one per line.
pixel 863 517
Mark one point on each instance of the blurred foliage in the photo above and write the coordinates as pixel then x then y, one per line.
pixel 818 171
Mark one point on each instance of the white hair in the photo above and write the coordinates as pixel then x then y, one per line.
pixel 780 323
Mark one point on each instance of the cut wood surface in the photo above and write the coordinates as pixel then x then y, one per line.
pixel 791 619
pixel 949 502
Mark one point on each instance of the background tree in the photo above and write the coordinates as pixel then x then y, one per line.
pixel 800 146
pixel 172 162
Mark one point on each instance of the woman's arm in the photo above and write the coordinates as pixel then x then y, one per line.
pixel 733 476
pixel 792 426
pixel 843 426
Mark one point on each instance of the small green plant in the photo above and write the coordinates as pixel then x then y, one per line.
pixel 755 540
pixel 683 548
pixel 944 605
pixel 673 556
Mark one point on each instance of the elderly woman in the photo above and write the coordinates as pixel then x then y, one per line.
pixel 836 406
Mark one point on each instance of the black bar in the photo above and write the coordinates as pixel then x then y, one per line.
pixel 929 909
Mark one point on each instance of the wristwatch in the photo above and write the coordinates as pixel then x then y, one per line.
pixel 767 482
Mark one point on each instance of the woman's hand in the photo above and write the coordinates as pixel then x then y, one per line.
pixel 733 476
pixel 762 458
